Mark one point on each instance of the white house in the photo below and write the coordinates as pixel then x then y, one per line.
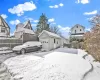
pixel 77 31
pixel 4 28
pixel 25 32
pixel 49 40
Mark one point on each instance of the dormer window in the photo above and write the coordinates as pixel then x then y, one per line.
pixel 3 30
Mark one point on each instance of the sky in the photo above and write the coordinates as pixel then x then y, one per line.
pixel 61 13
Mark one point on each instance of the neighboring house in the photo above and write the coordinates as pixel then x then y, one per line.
pixel 4 28
pixel 25 32
pixel 49 40
pixel 77 31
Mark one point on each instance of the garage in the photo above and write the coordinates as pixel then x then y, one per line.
pixel 49 40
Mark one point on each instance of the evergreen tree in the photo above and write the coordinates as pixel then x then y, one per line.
pixel 42 24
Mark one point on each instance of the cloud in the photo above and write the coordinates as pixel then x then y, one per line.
pixel 4 16
pixel 31 19
pixel 11 34
pixel 53 23
pixel 61 4
pixel 14 22
pixel 82 1
pixel 57 6
pixel 88 29
pixel 34 25
pixel 35 21
pixel 91 13
pixel 51 20
pixel 21 8
pixel 64 31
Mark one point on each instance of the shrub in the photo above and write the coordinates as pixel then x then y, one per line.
pixel 92 39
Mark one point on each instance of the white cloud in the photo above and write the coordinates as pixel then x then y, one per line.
pixel 35 21
pixel 31 19
pixel 21 8
pixel 83 1
pixel 67 29
pixel 91 13
pixel 88 29
pixel 53 23
pixel 34 25
pixel 64 30
pixel 15 22
pixel 51 20
pixel 57 6
pixel 11 34
pixel 4 16
pixel 61 4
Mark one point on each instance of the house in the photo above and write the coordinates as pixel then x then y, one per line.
pixel 77 31
pixel 25 32
pixel 4 28
pixel 49 40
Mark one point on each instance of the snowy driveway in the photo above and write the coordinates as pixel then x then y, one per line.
pixel 53 66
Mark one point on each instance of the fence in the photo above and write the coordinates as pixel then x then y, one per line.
pixel 10 42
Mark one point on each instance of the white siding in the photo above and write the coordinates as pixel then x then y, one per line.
pixel 77 30
pixel 6 33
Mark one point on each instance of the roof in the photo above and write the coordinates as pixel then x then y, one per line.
pixel 3 23
pixel 77 25
pixel 50 34
pixel 23 25
pixel 25 30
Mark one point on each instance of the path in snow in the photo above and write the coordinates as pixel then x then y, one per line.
pixel 94 72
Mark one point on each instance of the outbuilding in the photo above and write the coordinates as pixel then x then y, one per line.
pixel 49 40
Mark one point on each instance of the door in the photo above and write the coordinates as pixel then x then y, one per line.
pixel 54 43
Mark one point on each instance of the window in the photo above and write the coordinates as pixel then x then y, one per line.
pixel 75 31
pixel 77 26
pixel 3 30
pixel 80 30
pixel 54 40
pixel 57 42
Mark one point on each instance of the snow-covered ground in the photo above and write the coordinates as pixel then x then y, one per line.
pixel 54 66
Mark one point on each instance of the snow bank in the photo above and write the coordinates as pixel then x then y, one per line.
pixel 55 66
pixel 81 53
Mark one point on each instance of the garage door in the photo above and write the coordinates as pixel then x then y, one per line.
pixel 45 44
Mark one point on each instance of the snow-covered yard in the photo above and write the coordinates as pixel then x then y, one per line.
pixel 54 66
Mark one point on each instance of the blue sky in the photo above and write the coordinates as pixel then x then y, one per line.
pixel 62 13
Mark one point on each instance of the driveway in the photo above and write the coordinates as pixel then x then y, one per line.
pixel 67 50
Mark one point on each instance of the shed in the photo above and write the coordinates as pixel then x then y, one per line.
pixel 49 40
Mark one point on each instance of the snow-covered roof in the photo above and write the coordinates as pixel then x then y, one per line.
pixel 78 25
pixel 3 23
pixel 50 34
pixel 25 30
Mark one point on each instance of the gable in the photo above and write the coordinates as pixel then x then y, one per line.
pixel 3 23
pixel 28 25
pixel 44 35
